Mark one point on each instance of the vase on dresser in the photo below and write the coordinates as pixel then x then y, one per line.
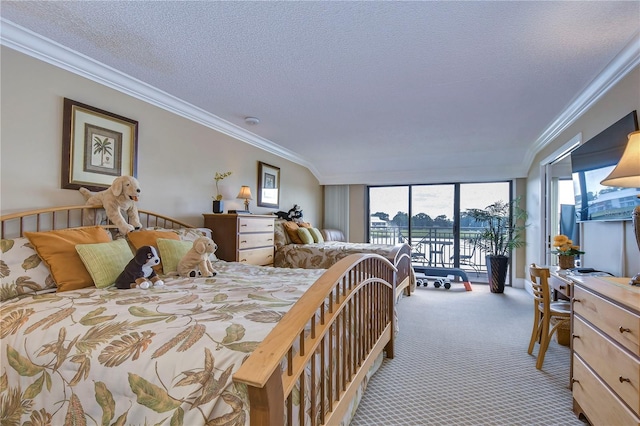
pixel 218 206
pixel 566 262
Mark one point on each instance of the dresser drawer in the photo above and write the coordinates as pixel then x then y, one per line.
pixel 609 361
pixel 600 405
pixel 623 326
pixel 247 241
pixel 253 224
pixel 261 256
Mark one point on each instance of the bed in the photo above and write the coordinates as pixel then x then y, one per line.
pixel 252 345
pixel 294 253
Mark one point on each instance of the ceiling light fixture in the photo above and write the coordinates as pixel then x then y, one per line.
pixel 252 121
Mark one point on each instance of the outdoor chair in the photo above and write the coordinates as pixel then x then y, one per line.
pixel 418 254
pixel 469 259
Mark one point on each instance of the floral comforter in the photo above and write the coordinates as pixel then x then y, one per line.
pixel 324 255
pixel 164 355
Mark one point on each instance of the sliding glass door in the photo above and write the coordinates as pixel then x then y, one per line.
pixel 432 219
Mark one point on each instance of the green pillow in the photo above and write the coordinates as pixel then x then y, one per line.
pixel 305 236
pixel 105 261
pixel 171 251
pixel 316 234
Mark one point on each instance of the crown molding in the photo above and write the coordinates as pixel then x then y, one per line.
pixel 32 44
pixel 618 68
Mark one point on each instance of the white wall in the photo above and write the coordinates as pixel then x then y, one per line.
pixel 177 158
pixel 608 246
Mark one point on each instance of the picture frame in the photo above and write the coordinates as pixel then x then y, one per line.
pixel 97 147
pixel 268 185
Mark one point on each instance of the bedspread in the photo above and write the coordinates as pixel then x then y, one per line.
pixel 324 255
pixel 163 355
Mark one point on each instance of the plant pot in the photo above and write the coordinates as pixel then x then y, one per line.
pixel 566 262
pixel 497 267
pixel 218 206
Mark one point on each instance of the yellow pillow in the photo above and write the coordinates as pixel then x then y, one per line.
pixel 105 261
pixel 292 231
pixel 58 250
pixel 149 237
pixel 171 252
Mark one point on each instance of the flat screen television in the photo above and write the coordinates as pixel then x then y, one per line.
pixel 591 162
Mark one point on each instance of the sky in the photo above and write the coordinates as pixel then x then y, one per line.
pixel 435 200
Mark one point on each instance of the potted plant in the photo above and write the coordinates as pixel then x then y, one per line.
pixel 502 229
pixel 218 206
pixel 566 251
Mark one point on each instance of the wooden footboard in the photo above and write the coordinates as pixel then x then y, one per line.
pixel 406 279
pixel 308 368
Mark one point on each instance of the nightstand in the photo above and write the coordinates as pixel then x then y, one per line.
pixel 242 238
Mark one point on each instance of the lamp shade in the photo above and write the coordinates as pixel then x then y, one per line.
pixel 245 193
pixel 627 173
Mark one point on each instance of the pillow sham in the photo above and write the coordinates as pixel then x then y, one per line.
pixel 21 269
pixel 58 250
pixel 305 236
pixel 317 235
pixel 105 261
pixel 292 232
pixel 280 234
pixel 171 251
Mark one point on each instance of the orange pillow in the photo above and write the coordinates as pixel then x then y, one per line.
pixel 148 237
pixel 304 224
pixel 292 231
pixel 58 251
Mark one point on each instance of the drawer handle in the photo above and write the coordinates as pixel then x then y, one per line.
pixel 270 255
pixel 243 241
pixel 623 329
pixel 624 379
pixel 244 224
pixel 243 260
pixel 575 336
pixel 577 301
pixel 270 225
pixel 270 239
pixel 562 287
pixel 575 381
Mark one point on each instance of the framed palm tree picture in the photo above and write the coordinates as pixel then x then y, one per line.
pixel 97 147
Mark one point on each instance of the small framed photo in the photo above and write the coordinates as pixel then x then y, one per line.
pixel 97 147
pixel 268 185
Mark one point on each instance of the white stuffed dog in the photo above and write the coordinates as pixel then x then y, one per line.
pixel 120 196
pixel 196 262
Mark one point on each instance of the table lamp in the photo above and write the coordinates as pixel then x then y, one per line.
pixel 627 175
pixel 245 194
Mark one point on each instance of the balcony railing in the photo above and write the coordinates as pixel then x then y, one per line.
pixel 435 246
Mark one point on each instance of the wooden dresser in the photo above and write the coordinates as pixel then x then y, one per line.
pixel 605 326
pixel 243 238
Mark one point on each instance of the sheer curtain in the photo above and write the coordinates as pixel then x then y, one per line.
pixel 336 208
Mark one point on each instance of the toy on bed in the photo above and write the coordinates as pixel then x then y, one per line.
pixel 196 262
pixel 293 215
pixel 139 271
pixel 120 196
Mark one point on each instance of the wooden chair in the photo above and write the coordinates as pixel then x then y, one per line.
pixel 548 316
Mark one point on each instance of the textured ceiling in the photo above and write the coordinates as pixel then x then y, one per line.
pixel 361 92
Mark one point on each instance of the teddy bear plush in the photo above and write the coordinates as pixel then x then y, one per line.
pixel 196 261
pixel 121 196
pixel 139 271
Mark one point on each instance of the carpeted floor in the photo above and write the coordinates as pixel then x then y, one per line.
pixel 461 359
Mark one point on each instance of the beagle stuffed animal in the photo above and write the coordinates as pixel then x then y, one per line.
pixel 139 271
pixel 120 196
pixel 196 262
